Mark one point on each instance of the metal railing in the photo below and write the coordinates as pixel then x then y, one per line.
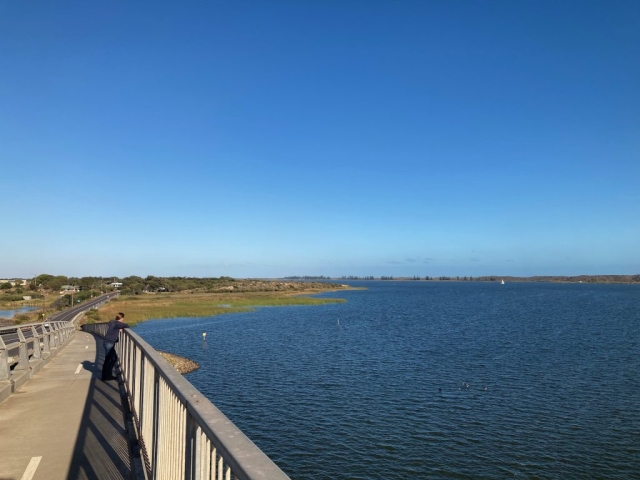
pixel 182 434
pixel 22 344
pixel 25 349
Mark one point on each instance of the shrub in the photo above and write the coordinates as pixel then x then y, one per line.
pixel 21 318
pixel 61 303
pixel 11 297
pixel 92 316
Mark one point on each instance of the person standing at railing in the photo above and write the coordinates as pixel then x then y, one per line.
pixel 110 340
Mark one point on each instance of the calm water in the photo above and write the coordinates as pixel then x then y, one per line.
pixel 430 380
pixel 12 313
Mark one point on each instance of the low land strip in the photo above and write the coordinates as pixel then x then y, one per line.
pixel 138 308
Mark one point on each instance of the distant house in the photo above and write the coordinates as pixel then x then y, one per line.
pixel 69 289
pixel 116 284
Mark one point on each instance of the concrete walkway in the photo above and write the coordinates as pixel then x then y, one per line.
pixel 65 422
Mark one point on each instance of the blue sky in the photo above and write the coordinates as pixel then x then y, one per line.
pixel 263 139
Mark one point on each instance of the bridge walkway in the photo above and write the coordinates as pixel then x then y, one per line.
pixel 65 422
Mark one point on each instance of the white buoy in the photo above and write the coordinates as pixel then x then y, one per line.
pixel 204 335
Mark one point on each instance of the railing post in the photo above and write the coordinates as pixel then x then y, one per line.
pixel 23 362
pixel 45 340
pixel 4 362
pixel 52 337
pixel 56 335
pixel 63 333
pixel 37 353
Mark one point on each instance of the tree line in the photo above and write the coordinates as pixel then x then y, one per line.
pixel 130 285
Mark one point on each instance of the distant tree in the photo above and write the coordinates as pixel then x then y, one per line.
pixel 53 283
pixel 62 302
pixel 132 285
pixel 43 279
pixel 89 283
pixel 6 286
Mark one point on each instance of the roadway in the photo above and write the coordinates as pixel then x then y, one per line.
pixel 67 315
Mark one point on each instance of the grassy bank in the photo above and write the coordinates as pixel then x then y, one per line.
pixel 138 308
pixel 43 306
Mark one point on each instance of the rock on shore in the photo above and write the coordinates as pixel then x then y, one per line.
pixel 181 364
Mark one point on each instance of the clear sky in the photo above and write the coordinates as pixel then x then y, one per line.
pixel 320 137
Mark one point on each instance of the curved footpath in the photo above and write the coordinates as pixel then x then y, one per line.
pixel 65 422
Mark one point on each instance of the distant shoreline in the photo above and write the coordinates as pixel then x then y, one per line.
pixel 602 279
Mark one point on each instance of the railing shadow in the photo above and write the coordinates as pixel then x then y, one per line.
pixel 102 449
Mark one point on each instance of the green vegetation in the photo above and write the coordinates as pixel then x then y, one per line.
pixel 22 318
pixel 156 297
pixel 176 305
pixel 92 316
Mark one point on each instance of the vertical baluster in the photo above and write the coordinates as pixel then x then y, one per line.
pixel 163 459
pixel 183 447
pixel 167 432
pixel 214 462
pixel 174 425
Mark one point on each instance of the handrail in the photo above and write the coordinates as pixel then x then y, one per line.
pixel 26 348
pixel 182 434
pixel 19 344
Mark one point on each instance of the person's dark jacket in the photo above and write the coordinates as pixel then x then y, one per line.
pixel 114 329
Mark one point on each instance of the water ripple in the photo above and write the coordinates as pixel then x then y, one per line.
pixel 431 380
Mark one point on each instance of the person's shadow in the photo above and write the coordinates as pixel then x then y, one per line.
pixel 90 366
pixel 102 448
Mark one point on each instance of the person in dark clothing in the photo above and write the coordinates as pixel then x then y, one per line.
pixel 110 339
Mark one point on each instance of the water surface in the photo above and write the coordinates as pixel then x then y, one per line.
pixel 430 380
pixel 16 311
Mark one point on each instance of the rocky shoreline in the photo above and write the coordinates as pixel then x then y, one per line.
pixel 182 364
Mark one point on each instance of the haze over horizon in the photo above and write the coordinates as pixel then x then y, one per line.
pixel 269 139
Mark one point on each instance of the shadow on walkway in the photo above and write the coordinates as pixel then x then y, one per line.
pixel 102 449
